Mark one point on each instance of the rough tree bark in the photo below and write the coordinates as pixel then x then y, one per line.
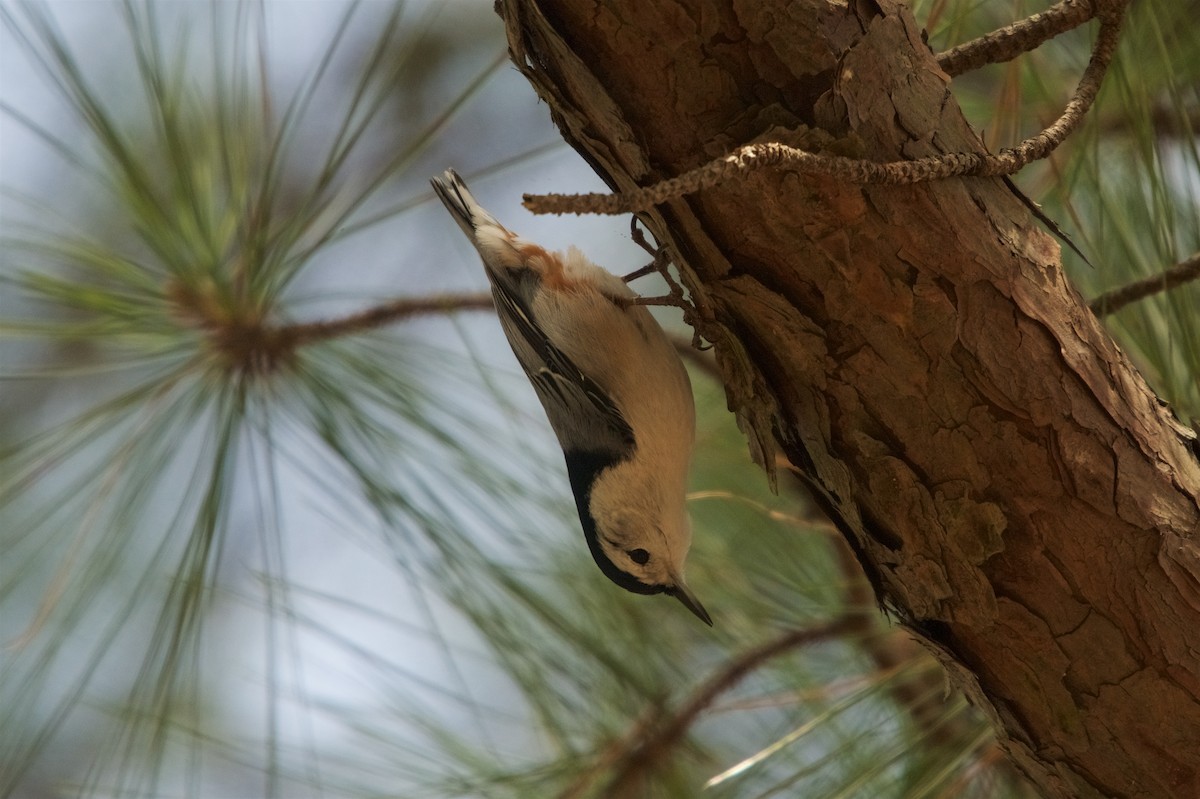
pixel 1013 487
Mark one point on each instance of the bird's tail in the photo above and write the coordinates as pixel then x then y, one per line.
pixel 459 201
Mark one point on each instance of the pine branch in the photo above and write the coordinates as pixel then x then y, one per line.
pixel 1020 37
pixel 246 342
pixel 298 335
pixel 1112 301
pixel 654 740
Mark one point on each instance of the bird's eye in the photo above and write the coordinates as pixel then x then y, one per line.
pixel 638 556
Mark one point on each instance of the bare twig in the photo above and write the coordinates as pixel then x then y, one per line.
pixel 1112 15
pixel 850 170
pixel 1115 300
pixel 241 335
pixel 297 335
pixel 611 754
pixel 1166 122
pixel 644 753
pixel 1019 37
pixel 990 759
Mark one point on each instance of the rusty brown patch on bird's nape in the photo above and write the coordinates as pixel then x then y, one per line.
pixel 552 274
pixel 530 250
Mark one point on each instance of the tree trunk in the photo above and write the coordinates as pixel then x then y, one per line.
pixel 1011 484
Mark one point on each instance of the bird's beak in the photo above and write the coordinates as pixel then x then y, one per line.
pixel 684 595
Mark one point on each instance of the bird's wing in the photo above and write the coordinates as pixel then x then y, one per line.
pixel 581 413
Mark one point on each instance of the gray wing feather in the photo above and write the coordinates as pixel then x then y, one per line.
pixel 581 413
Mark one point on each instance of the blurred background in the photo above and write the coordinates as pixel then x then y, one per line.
pixel 237 560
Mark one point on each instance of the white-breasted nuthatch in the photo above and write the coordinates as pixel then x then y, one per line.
pixel 614 389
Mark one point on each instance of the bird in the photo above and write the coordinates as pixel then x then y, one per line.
pixel 615 392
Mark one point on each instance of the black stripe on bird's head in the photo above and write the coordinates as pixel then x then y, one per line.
pixel 583 467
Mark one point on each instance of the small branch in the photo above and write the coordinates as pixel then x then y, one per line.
pixel 1020 37
pixel 990 759
pixel 612 754
pixel 1113 301
pixel 1112 15
pixel 645 751
pixel 298 335
pixel 241 336
pixel 859 171
pixel 1167 123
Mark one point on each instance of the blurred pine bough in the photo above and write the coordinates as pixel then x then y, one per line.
pixel 238 556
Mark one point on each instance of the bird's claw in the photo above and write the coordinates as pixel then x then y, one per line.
pixel 676 296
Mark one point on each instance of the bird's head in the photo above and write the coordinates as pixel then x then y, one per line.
pixel 640 532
